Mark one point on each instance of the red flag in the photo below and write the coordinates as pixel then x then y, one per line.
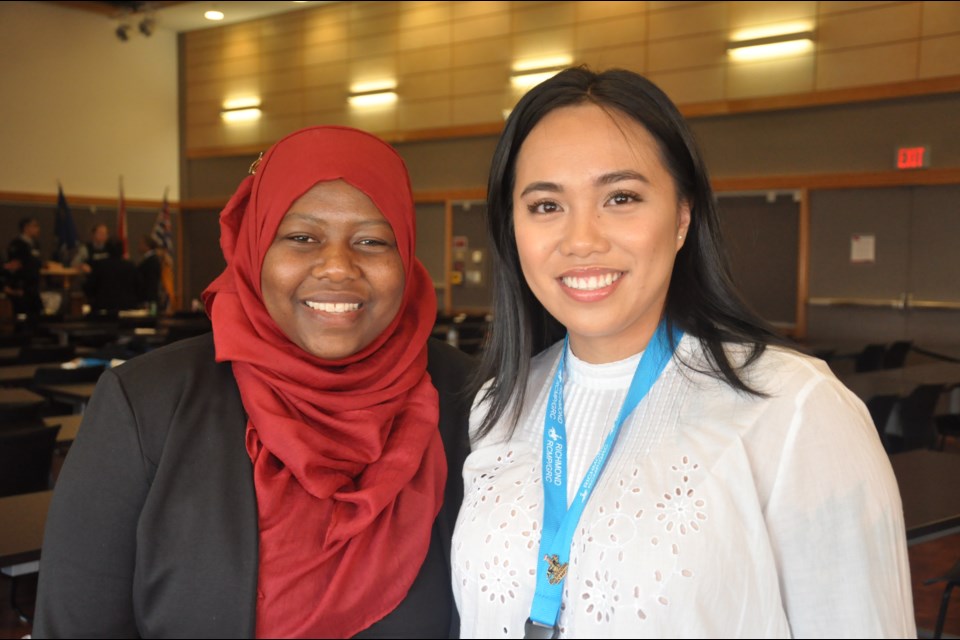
pixel 122 223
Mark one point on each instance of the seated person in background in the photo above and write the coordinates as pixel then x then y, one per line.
pixel 150 268
pixel 114 283
pixel 297 473
pixel 89 253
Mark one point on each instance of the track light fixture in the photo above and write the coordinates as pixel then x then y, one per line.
pixel 146 26
pixel 123 32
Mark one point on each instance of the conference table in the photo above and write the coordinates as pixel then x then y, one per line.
pixel 928 482
pixel 75 394
pixel 902 380
pixel 18 374
pixel 18 396
pixel 69 426
pixel 21 536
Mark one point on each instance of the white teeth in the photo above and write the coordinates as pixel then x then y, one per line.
pixel 334 307
pixel 592 283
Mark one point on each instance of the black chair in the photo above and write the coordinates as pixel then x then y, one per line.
pixel 916 417
pixel 870 358
pixel 951 579
pixel 59 375
pixel 20 415
pixel 26 459
pixel 43 354
pixel 896 354
pixel 881 407
pixel 948 426
pixel 26 462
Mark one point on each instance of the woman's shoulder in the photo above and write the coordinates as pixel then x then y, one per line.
pixel 182 363
pixel 449 367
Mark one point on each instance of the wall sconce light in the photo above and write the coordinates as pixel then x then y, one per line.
pixel 529 73
pixel 241 110
pixel 372 95
pixel 529 79
pixel 784 44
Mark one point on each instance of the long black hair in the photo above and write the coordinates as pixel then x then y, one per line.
pixel 702 299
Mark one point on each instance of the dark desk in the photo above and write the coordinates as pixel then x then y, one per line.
pixel 69 425
pixel 16 396
pixel 901 381
pixel 929 482
pixel 18 374
pixel 21 535
pixel 76 394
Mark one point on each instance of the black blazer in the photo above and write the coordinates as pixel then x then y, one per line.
pixel 153 529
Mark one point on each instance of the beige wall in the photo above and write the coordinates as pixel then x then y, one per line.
pixel 84 108
pixel 451 61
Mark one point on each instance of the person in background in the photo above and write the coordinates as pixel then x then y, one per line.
pixel 296 473
pixel 23 267
pixel 113 284
pixel 650 458
pixel 94 250
pixel 150 268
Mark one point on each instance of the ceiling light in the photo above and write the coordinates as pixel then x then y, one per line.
pixel 213 14
pixel 776 46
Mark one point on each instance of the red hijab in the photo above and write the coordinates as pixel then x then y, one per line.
pixel 348 464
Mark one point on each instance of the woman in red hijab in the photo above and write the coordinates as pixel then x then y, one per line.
pixel 296 473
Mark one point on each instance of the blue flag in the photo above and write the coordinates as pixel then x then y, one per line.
pixel 65 229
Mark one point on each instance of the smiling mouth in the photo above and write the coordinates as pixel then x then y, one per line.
pixel 333 307
pixel 592 283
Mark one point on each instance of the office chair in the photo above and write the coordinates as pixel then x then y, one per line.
pixel 26 459
pixel 17 416
pixel 881 407
pixel 948 426
pixel 896 354
pixel 916 417
pixel 951 579
pixel 870 358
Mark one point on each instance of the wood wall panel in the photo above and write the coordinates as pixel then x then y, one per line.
pixel 459 55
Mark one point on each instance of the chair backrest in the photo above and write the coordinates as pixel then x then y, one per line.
pixel 881 408
pixel 871 358
pixel 17 416
pixel 41 354
pixel 916 416
pixel 896 354
pixel 26 459
pixel 59 375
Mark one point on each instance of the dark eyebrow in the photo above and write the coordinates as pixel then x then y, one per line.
pixel 618 176
pixel 541 186
pixel 605 179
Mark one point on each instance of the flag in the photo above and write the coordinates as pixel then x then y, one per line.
pixel 122 223
pixel 162 229
pixel 65 229
pixel 163 235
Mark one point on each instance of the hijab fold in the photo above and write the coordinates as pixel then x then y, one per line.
pixel 348 464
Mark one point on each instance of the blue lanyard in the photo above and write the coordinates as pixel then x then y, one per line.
pixel 559 522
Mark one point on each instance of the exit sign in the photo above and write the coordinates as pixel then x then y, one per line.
pixel 913 157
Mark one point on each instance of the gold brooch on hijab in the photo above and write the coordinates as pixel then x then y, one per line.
pixel 256 163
